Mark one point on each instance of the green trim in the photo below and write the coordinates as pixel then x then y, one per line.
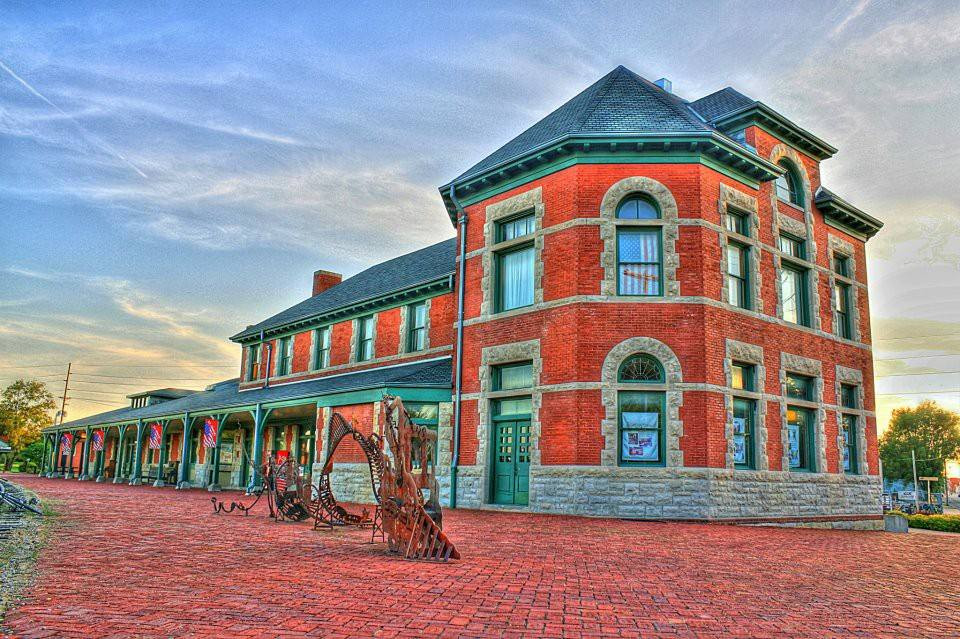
pixel 750 432
pixel 763 117
pixel 420 394
pixel 809 448
pixel 843 215
pixel 424 290
pixel 661 431
pixel 497 271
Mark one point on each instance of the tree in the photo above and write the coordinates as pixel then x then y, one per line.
pixel 24 412
pixel 31 457
pixel 933 432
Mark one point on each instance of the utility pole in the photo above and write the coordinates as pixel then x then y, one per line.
pixel 66 386
pixel 916 489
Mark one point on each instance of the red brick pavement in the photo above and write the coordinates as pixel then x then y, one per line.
pixel 154 562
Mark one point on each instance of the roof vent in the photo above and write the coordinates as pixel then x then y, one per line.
pixel 665 84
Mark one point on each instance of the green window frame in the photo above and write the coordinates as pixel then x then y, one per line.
pixel 742 376
pixel 841 264
pixel 365 335
pixel 737 222
pixel 416 327
pixel 800 438
pixel 515 277
pixel 738 274
pixel 513 376
pixel 640 261
pixel 848 396
pixel 849 434
pixel 638 207
pixel 425 414
pixel 641 428
pixel 321 358
pixel 744 416
pixel 800 387
pixel 841 299
pixel 253 362
pixel 641 369
pixel 788 185
pixel 285 356
pixel 793 294
pixel 792 246
pixel 516 227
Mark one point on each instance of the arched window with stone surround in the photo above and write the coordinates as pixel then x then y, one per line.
pixel 789 185
pixel 641 413
pixel 639 248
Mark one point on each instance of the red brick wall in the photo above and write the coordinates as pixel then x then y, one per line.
pixel 361 416
pixel 302 343
pixel 387 341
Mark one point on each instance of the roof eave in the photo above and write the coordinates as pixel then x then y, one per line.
pixel 834 207
pixel 800 137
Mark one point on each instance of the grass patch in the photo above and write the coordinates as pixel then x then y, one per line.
pixel 19 549
pixel 943 523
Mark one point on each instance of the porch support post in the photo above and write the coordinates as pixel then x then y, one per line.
pixel 137 456
pixel 214 485
pixel 43 458
pixel 73 448
pixel 161 457
pixel 118 477
pixel 259 419
pixel 57 456
pixel 182 482
pixel 85 459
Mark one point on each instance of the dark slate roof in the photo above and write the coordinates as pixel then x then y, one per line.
pixel 169 393
pixel 224 395
pixel 421 266
pixel 619 103
pixel 720 103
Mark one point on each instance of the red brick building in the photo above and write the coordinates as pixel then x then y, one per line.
pixel 662 314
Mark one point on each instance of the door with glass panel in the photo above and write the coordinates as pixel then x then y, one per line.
pixel 510 474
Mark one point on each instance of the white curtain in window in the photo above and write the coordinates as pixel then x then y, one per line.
pixel 516 278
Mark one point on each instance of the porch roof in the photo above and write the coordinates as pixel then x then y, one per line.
pixel 223 396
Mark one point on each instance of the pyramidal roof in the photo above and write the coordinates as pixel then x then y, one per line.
pixel 619 103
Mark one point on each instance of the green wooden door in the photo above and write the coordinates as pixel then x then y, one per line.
pixel 511 463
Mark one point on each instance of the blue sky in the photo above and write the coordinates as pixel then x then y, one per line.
pixel 170 174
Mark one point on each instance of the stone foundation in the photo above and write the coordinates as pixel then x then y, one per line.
pixel 350 482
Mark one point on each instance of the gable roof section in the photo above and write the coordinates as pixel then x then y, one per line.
pixel 839 212
pixel 165 393
pixel 620 102
pixel 720 103
pixel 436 373
pixel 421 267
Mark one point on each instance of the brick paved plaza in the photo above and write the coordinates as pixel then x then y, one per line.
pixel 140 561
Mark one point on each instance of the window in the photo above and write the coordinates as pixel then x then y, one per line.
pixel 426 415
pixel 788 185
pixel 848 396
pixel 737 222
pixel 841 299
pixel 800 438
pixel 848 431
pixel 742 376
pixel 513 376
pixel 638 261
pixel 514 275
pixel 793 294
pixel 322 356
pixel 792 246
pixel 285 356
pixel 641 368
pixel 800 387
pixel 516 228
pixel 743 418
pixel 416 327
pixel 841 265
pixel 515 278
pixel 738 260
pixel 365 334
pixel 638 208
pixel 641 414
pixel 253 362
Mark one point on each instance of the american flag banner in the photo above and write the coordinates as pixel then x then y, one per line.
pixel 98 440
pixel 210 428
pixel 155 432
pixel 66 440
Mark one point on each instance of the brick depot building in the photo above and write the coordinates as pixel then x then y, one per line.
pixel 662 314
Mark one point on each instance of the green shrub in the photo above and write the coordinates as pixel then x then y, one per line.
pixel 943 523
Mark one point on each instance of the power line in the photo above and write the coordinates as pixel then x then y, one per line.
pixel 198 379
pixel 900 359
pixel 890 339
pixel 946 392
pixel 915 374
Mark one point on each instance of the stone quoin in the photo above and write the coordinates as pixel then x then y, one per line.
pixel 664 316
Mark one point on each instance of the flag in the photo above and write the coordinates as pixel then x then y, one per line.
pixel 66 440
pixel 156 430
pixel 98 440
pixel 210 428
pixel 281 484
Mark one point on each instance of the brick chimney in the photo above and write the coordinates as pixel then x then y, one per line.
pixel 322 280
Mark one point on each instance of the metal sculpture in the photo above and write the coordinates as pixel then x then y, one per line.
pixel 13 496
pixel 288 495
pixel 330 513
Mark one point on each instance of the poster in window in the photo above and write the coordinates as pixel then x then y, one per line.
pixel 846 458
pixel 641 445
pixel 739 449
pixel 739 425
pixel 226 453
pixel 639 420
pixel 793 433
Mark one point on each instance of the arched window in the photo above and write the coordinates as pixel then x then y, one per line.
pixel 789 185
pixel 639 249
pixel 638 208
pixel 641 369
pixel 642 414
